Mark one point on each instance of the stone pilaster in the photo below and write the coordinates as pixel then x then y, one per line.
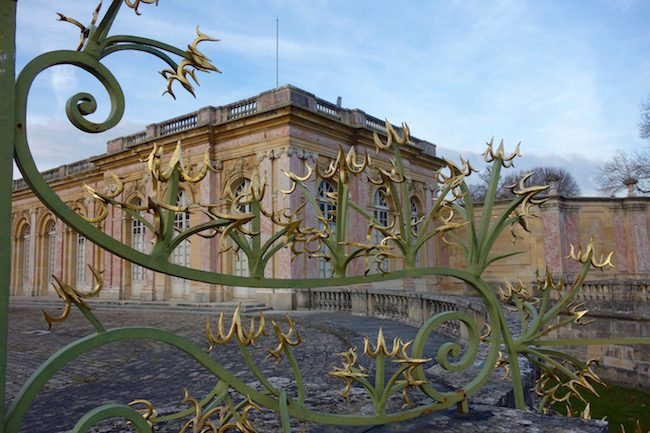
pixel 31 279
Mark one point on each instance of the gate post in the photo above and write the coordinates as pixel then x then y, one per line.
pixel 7 136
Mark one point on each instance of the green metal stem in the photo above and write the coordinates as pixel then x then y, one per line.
pixel 216 396
pixel 380 366
pixel 252 365
pixel 340 264
pixel 295 369
pixel 108 411
pixel 513 360
pixel 107 21
pixel 71 352
pixel 91 318
pixel 552 362
pixel 7 138
pixel 391 387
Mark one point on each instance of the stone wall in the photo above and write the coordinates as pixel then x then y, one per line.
pixel 618 309
pixel 621 225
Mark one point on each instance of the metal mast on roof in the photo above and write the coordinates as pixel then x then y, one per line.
pixel 277 51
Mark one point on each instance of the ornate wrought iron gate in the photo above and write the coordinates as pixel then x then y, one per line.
pixel 452 219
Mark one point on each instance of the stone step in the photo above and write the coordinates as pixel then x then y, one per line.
pixel 247 305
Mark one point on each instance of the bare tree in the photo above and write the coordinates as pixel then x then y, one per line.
pixel 644 124
pixel 625 171
pixel 566 183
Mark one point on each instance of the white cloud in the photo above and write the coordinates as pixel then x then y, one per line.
pixel 63 80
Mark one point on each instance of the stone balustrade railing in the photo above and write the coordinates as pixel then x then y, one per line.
pixel 267 101
pixel 60 172
pixel 405 306
pixel 328 108
pixel 241 109
pixel 375 123
pixel 178 124
pixel 611 296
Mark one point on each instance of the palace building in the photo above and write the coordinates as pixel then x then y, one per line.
pixel 284 130
pixel 275 131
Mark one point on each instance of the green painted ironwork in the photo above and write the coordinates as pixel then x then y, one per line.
pixel 7 137
pixel 240 230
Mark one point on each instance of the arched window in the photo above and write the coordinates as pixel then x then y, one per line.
pixel 327 207
pixel 181 254
pixel 24 251
pixel 382 216
pixel 51 251
pixel 138 232
pixel 81 261
pixel 241 190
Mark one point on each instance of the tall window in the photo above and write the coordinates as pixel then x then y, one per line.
pixel 51 251
pixel 415 217
pixel 81 261
pixel 181 254
pixel 26 248
pixel 328 208
pixel 415 213
pixel 381 214
pixel 241 190
pixel 137 243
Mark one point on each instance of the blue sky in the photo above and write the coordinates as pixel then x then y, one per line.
pixel 565 78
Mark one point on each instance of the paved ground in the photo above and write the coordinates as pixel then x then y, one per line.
pixel 123 372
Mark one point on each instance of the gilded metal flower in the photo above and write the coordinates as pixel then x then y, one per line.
pixel 176 163
pixel 547 281
pixel 73 296
pixel 392 135
pixel 201 422
pixel 557 385
pixel 508 291
pixel 452 175
pixel 394 175
pixel 350 372
pixel 244 336
pixel 231 418
pixel 344 165
pixel 409 381
pixel 503 362
pixel 579 315
pixel 506 160
pixel 588 256
pixel 290 338
pixel 194 60
pixel 296 178
pixel 380 347
pixel 148 412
